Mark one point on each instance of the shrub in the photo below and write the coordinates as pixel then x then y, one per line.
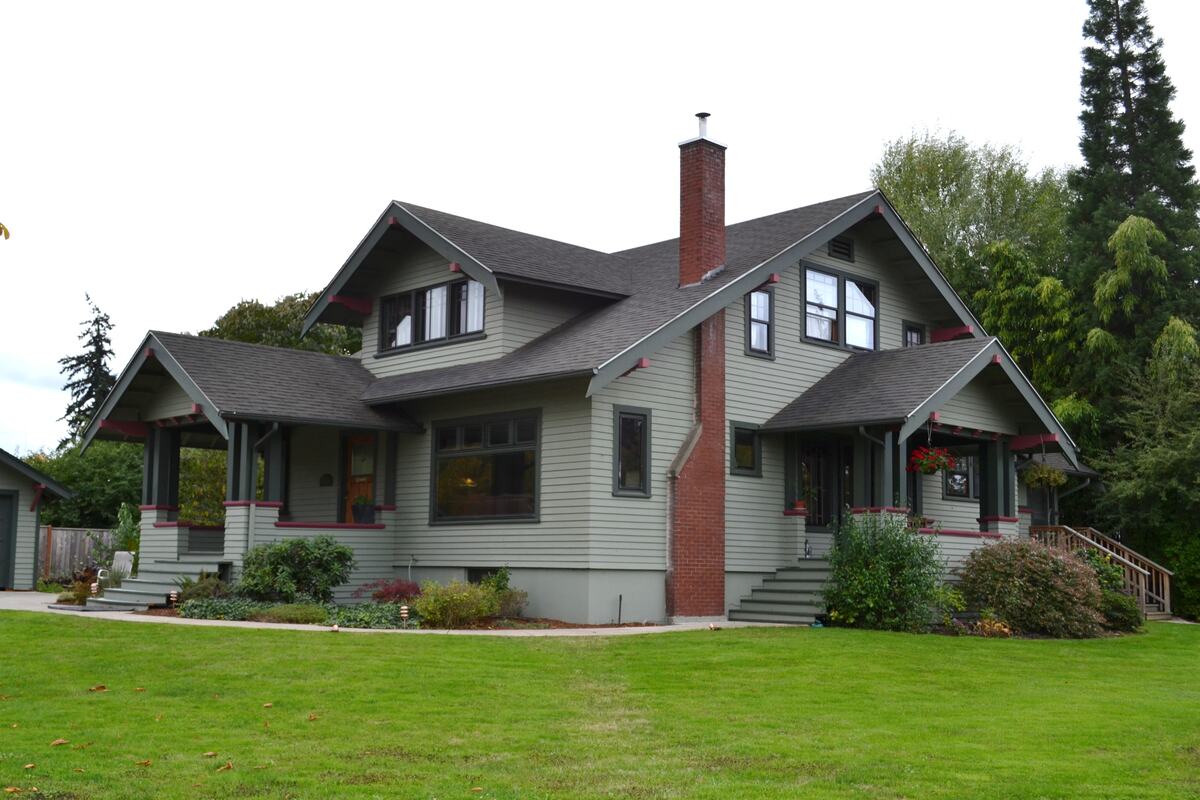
pixel 948 601
pixel 78 594
pixel 385 591
pixel 511 602
pixel 284 571
pixel 236 608
pixel 1034 589
pixel 1120 611
pixel 883 575
pixel 205 587
pixel 294 614
pixel 52 587
pixel 991 628
pixel 369 615
pixel 1108 572
pixel 455 605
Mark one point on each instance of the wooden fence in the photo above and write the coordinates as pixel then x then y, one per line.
pixel 61 551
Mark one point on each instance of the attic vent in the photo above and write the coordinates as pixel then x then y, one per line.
pixel 842 247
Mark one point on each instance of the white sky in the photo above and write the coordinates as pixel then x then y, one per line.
pixel 173 160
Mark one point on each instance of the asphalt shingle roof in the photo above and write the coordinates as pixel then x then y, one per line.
pixel 274 383
pixel 884 386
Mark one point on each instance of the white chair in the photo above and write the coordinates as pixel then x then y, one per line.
pixel 122 567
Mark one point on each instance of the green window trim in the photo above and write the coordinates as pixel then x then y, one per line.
pixel 454 319
pixel 737 467
pixel 620 488
pixel 753 322
pixel 836 313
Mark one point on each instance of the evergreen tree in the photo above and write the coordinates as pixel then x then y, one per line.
pixel 88 378
pixel 1135 163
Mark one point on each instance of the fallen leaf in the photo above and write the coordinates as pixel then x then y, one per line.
pixel 313 717
pixel 30 766
pixel 57 742
pixel 158 718
pixel 267 705
pixel 140 689
pixel 225 766
pixel 476 788
pixel 145 763
pixel 78 769
pixel 4 697
pixel 211 754
pixel 99 687
pixel 14 724
pixel 12 789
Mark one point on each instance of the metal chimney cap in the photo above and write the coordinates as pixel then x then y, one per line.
pixel 703 135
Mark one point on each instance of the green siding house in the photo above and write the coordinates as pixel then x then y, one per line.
pixel 649 434
pixel 22 491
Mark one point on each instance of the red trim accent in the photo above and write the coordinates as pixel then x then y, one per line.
pixel 243 503
pixel 995 358
pixel 775 278
pixel 1032 440
pixel 337 526
pixel 393 221
pixel 359 305
pixel 994 518
pixel 127 427
pixel 934 416
pixel 197 408
pixel 149 353
pixel 158 508
pixel 385 508
pixel 455 266
pixel 879 210
pixel 949 334
pixel 965 534
pixel 39 490
pixel 642 363
pixel 795 512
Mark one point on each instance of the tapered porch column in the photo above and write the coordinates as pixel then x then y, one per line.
pixel 160 495
pixel 997 489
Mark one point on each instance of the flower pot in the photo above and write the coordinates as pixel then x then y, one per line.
pixel 363 513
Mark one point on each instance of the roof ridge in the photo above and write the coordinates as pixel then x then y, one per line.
pixel 277 348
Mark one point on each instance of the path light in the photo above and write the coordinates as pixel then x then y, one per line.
pixel 404 613
pixel 96 588
pixel 173 597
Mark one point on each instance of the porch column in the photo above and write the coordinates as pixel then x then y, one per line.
pixel 241 481
pixel 901 475
pixel 273 465
pixel 889 469
pixel 995 497
pixel 160 461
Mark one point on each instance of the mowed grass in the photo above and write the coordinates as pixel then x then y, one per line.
pixel 755 713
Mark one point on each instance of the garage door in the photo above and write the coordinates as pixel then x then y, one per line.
pixel 8 539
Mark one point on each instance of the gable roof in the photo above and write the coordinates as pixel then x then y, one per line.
pixel 36 476
pixel 235 380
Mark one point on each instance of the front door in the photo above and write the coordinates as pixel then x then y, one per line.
pixel 8 539
pixel 359 470
pixel 825 480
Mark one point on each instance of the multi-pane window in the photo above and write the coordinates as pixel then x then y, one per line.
pixel 914 335
pixel 485 469
pixel 745 452
pixel 860 314
pixel 962 482
pixel 431 314
pixel 760 335
pixel 821 314
pixel 631 457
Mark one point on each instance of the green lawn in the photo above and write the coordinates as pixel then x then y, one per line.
pixel 754 713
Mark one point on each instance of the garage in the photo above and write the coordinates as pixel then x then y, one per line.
pixel 22 491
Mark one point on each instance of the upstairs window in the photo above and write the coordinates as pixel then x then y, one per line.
pixel 914 334
pixel 760 329
pixel 841 309
pixel 860 314
pixel 432 314
pixel 631 451
pixel 821 315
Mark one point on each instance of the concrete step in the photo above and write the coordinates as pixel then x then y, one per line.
pixel 184 566
pixel 133 594
pixel 773 606
pixel 115 605
pixel 155 583
pixel 805 570
pixel 737 615
pixel 787 584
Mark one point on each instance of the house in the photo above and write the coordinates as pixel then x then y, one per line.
pixel 640 435
pixel 22 490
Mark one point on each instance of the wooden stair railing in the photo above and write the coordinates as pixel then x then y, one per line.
pixel 1148 582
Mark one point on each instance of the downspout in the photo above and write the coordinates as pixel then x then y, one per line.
pixel 862 431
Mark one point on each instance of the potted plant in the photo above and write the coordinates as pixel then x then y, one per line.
pixel 363 510
pixel 1044 476
pixel 930 460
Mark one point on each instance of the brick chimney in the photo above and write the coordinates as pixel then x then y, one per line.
pixel 696 572
pixel 701 206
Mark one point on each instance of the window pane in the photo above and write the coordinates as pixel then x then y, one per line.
pixel 396 320
pixel 821 288
pixel 435 313
pixel 860 332
pixel 760 338
pixel 447 438
pixel 486 485
pixel 860 299
pixel 744 441
pixel 472 435
pixel 526 430
pixel 913 337
pixel 760 306
pixel 821 323
pixel 499 433
pixel 362 458
pixel 474 314
pixel 631 459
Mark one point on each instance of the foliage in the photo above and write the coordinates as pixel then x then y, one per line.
pixel 233 608
pixel 294 614
pixel 511 602
pixel 1108 573
pixel 113 578
pixel 1139 276
pixel 991 628
pixel 286 570
pixel 370 615
pixel 1120 611
pixel 389 591
pixel 279 325
pixel 882 575
pixel 1031 313
pixel 948 601
pixel 50 587
pixel 3 231
pixel 105 476
pixel 1080 418
pixel 959 199
pixel 78 594
pixel 204 587
pixel 126 536
pixel 1034 589
pixel 88 378
pixel 202 485
pixel 1038 475
pixel 456 604
pixel 930 460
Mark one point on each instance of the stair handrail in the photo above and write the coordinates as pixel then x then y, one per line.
pixel 1157 577
pixel 1114 543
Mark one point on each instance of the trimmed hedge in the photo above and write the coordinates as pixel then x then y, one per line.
pixel 234 608
pixel 286 571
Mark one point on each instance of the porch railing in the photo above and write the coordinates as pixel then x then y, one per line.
pixel 1149 583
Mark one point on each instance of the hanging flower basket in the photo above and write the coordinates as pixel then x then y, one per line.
pixel 1044 476
pixel 929 460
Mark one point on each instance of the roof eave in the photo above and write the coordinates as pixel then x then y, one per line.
pixel 406 396
pixel 35 475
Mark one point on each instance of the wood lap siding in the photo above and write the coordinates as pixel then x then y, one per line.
pixel 983 406
pixel 26 531
pixel 631 532
pixel 531 311
pixel 313 452
pixel 374 553
pixel 169 400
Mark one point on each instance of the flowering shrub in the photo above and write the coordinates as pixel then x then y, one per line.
pixel 455 605
pixel 928 460
pixel 385 591
pixel 1034 589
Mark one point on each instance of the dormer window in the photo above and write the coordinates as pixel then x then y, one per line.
pixel 435 313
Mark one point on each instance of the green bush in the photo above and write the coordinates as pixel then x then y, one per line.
pixel 369 615
pixel 510 602
pixel 1108 572
pixel 53 587
pixel 455 605
pixel 1034 589
pixel 883 575
pixel 235 608
pixel 294 614
pixel 285 571
pixel 78 594
pixel 1120 611
pixel 206 586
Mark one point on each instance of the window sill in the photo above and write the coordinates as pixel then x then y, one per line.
pixel 466 337
pixel 746 473
pixel 629 493
pixel 952 499
pixel 760 355
pixel 466 521
pixel 845 348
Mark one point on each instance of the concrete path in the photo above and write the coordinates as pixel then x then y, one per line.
pixel 38 601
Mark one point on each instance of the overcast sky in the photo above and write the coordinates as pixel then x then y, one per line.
pixel 173 160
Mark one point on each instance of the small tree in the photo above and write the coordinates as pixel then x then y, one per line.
pixel 279 325
pixel 88 378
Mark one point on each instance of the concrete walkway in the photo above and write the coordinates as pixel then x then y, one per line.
pixel 38 601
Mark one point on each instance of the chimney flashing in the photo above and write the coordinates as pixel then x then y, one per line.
pixel 707 139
